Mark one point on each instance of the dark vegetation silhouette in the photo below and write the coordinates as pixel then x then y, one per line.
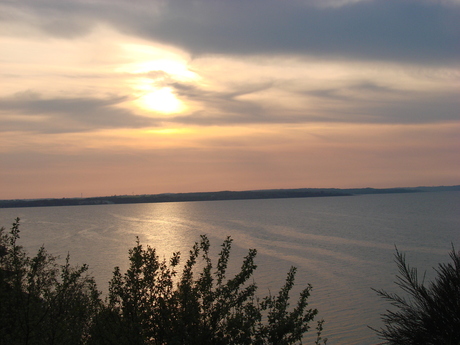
pixel 165 302
pixel 43 302
pixel 153 302
pixel 425 314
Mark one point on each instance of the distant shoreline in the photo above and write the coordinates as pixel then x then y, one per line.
pixel 214 196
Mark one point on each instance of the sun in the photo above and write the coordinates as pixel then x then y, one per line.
pixel 161 100
pixel 151 69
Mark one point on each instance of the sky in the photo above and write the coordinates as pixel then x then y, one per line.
pixel 121 97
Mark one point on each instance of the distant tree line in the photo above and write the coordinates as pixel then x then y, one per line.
pixel 215 196
pixel 177 197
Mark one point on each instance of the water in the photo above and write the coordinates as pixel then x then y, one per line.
pixel 343 246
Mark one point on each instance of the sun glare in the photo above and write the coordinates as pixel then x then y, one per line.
pixel 151 68
pixel 145 58
pixel 161 100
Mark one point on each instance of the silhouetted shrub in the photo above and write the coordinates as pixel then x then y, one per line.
pixel 46 303
pixel 42 302
pixel 151 304
pixel 430 314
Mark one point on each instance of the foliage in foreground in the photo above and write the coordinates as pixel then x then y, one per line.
pixel 45 303
pixel 431 314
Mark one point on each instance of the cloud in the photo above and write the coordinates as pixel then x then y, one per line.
pixel 272 86
pixel 385 30
pixel 395 30
pixel 275 94
pixel 287 102
pixel 27 111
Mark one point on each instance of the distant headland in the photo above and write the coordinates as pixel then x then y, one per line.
pixel 221 195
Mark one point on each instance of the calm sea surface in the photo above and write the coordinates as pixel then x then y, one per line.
pixel 343 246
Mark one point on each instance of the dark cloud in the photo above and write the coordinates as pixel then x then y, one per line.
pixel 423 107
pixel 222 107
pixel 67 27
pixel 369 86
pixel 193 92
pixel 408 30
pixel 328 94
pixel 384 29
pixel 26 111
pixel 343 93
pixel 347 104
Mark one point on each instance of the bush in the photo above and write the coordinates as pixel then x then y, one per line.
pixel 151 304
pixel 42 302
pixel 46 303
pixel 430 314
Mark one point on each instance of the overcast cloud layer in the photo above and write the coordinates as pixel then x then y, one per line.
pixel 396 30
